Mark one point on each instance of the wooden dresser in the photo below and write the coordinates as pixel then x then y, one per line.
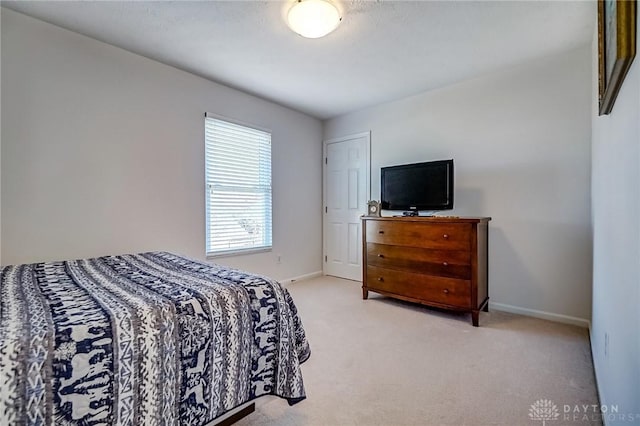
pixel 436 261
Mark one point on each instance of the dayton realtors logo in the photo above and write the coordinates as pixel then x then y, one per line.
pixel 544 410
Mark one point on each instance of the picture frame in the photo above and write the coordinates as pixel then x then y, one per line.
pixel 616 48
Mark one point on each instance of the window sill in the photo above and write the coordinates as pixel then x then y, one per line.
pixel 240 252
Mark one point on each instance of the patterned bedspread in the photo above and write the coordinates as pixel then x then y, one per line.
pixel 151 338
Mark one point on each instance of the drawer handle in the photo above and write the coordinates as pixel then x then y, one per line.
pixel 380 232
pixel 380 279
pixel 445 264
pixel 445 236
pixel 380 255
pixel 445 291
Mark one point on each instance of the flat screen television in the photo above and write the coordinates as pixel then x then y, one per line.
pixel 419 186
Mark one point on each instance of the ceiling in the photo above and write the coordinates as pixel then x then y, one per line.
pixel 382 50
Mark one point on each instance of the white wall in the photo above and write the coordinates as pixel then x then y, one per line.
pixel 103 152
pixel 520 140
pixel 616 245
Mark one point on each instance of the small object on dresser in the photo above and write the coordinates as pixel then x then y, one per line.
pixel 373 208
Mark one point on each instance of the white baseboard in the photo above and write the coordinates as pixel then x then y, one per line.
pixel 301 277
pixel 566 319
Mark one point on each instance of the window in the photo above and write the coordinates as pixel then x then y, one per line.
pixel 238 186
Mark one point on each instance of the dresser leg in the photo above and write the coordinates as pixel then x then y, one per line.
pixel 365 293
pixel 475 314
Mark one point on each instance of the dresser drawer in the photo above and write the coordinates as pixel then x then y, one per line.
pixel 447 291
pixel 445 236
pixel 445 263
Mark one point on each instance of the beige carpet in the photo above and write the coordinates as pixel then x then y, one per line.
pixel 386 362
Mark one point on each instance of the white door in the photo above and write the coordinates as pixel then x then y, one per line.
pixel 347 188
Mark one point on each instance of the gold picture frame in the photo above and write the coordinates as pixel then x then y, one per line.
pixel 616 48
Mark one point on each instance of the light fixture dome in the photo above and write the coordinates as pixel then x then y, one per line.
pixel 313 18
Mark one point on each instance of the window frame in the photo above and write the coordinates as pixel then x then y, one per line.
pixel 235 251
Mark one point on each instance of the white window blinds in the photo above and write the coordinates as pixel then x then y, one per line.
pixel 238 186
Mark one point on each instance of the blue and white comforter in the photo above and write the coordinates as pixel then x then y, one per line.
pixel 151 338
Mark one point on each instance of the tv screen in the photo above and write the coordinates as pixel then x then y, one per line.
pixel 420 186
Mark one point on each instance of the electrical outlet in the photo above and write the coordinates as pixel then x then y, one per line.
pixel 606 345
pixel 278 258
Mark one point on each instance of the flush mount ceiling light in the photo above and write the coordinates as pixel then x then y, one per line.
pixel 313 18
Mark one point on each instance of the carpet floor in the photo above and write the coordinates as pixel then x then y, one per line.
pixel 386 362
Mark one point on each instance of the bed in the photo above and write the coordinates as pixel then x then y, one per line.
pixel 149 338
